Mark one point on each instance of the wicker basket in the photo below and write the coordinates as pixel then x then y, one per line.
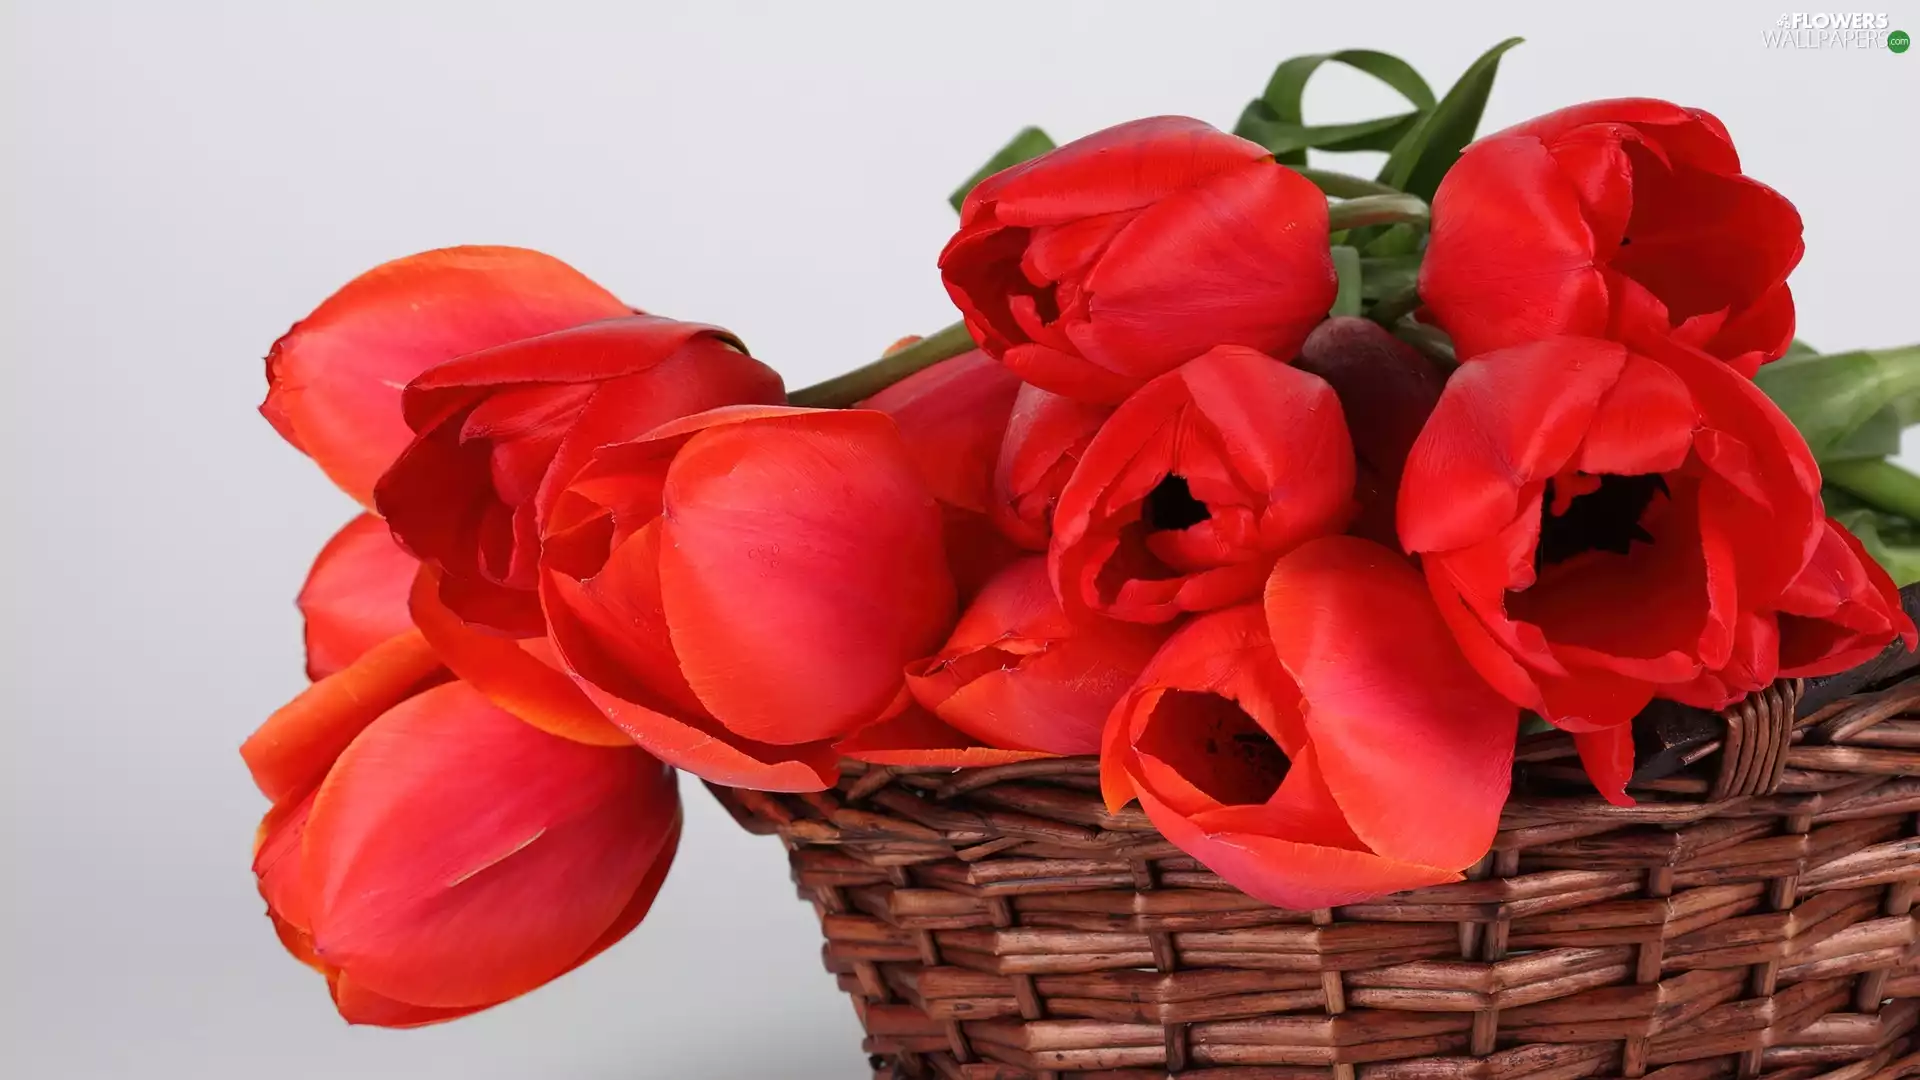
pixel 1752 917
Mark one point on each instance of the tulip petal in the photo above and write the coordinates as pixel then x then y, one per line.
pixel 953 416
pixel 1607 755
pixel 801 567
pixel 1436 798
pixel 334 379
pixel 1045 437
pixel 1286 874
pixel 1259 452
pixel 918 738
pixel 1507 420
pixel 702 747
pixel 1254 270
pixel 355 597
pixel 358 1005
pixel 1539 280
pixel 458 857
pixel 1841 611
pixel 290 754
pixel 1017 672
pixel 503 669
pixel 1123 167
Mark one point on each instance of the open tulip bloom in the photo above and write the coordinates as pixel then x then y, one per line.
pixel 1290 496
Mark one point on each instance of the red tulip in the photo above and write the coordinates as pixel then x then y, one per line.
pixel 952 416
pixel 1387 390
pixel 355 596
pixel 1020 673
pixel 1197 483
pixel 739 589
pixel 1603 526
pixel 454 857
pixel 1046 436
pixel 1254 739
pixel 1093 268
pixel 1841 611
pixel 499 432
pixel 1612 219
pixel 334 380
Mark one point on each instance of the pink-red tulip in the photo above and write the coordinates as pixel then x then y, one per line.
pixel 1020 673
pixel 1093 268
pixel 432 855
pixel 355 596
pixel 1322 749
pixel 499 432
pixel 1603 526
pixel 1841 611
pixel 739 589
pixel 334 379
pixel 1197 483
pixel 1617 219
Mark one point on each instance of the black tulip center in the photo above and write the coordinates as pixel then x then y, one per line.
pixel 1606 519
pixel 1171 506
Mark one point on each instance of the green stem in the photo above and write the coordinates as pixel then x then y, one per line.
pixel 1389 309
pixel 1377 210
pixel 863 382
pixel 1341 186
pixel 1878 481
pixel 1430 340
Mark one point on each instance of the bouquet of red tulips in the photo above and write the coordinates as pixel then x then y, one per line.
pixel 1291 495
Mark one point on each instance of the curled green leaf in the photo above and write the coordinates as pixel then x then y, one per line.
pixel 1276 121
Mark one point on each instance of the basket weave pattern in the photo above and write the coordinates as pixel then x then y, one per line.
pixel 1752 917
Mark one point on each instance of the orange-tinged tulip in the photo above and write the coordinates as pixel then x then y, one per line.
pixel 952 416
pixel 739 589
pixel 1322 749
pixel 334 379
pixel 499 432
pixel 1197 483
pixel 451 857
pixel 1020 673
pixel 355 596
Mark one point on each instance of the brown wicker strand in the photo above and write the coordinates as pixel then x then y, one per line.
pixel 1752 916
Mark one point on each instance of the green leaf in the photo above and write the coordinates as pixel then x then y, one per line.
pixel 1346 262
pixel 1430 149
pixel 1030 143
pixel 1892 540
pixel 1837 400
pixel 1275 120
pixel 1290 142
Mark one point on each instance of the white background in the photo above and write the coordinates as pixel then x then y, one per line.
pixel 183 180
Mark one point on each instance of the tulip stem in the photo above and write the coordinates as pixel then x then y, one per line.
pixel 1878 481
pixel 1341 186
pixel 1389 309
pixel 862 383
pixel 1377 210
pixel 1432 341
